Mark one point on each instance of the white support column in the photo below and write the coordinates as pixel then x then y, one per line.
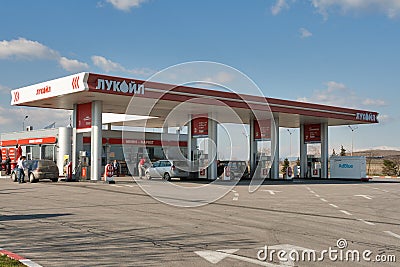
pixel 165 129
pixel 275 149
pixel 324 150
pixel 64 147
pixel 253 147
pixel 303 153
pixel 212 149
pixel 189 141
pixel 96 141
pixel 74 156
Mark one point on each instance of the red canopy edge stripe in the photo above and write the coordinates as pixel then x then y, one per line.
pixel 223 94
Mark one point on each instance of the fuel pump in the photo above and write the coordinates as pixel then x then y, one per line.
pixel 313 166
pixel 263 163
pixel 84 165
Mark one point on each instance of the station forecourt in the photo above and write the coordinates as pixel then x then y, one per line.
pixel 159 105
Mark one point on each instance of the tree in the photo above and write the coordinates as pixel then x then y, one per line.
pixel 286 164
pixel 342 151
pixel 390 168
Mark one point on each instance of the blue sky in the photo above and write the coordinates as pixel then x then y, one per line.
pixel 338 52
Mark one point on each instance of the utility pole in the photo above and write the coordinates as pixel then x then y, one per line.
pixel 352 136
pixel 290 136
pixel 23 123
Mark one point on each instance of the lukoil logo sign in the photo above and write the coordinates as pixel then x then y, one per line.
pixel 366 117
pixel 123 87
pixel 346 166
pixel 44 90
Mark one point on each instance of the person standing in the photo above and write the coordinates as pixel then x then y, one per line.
pixel 8 165
pixel 141 167
pixel 116 167
pixel 21 169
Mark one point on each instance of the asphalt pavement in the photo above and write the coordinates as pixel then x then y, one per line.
pixel 97 224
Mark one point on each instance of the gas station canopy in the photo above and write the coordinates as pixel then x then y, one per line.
pixel 116 94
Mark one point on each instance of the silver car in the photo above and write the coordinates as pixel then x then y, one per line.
pixel 38 169
pixel 166 169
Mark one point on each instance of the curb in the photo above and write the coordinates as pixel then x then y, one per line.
pixel 19 258
pixel 386 177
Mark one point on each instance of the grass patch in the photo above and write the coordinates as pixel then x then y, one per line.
pixel 7 262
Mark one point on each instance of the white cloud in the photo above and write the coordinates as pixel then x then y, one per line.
pixel 339 94
pixel 304 33
pixel 126 5
pixel 23 49
pixel 110 66
pixel 390 8
pixel 73 65
pixel 374 102
pixel 220 78
pixel 279 5
pixel 4 89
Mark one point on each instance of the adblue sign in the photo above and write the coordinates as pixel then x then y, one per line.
pixel 346 166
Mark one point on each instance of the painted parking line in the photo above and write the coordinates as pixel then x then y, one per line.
pixel 392 234
pixel 346 212
pixel 323 199
pixel 272 192
pixel 236 195
pixel 333 205
pixel 317 195
pixel 364 196
pixel 366 222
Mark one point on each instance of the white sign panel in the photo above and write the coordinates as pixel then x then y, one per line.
pixel 348 167
pixel 62 86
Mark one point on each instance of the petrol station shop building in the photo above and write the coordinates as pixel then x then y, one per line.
pixel 91 95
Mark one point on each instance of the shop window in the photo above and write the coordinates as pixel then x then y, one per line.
pixel 48 152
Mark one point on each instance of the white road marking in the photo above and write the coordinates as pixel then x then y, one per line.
pixel 392 234
pixel 364 196
pixel 317 195
pixel 272 192
pixel 366 222
pixel 235 199
pixel 333 205
pixel 346 212
pixel 130 185
pixel 312 192
pixel 323 199
pixel 383 190
pixel 115 185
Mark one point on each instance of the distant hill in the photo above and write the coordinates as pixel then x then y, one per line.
pixel 377 153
